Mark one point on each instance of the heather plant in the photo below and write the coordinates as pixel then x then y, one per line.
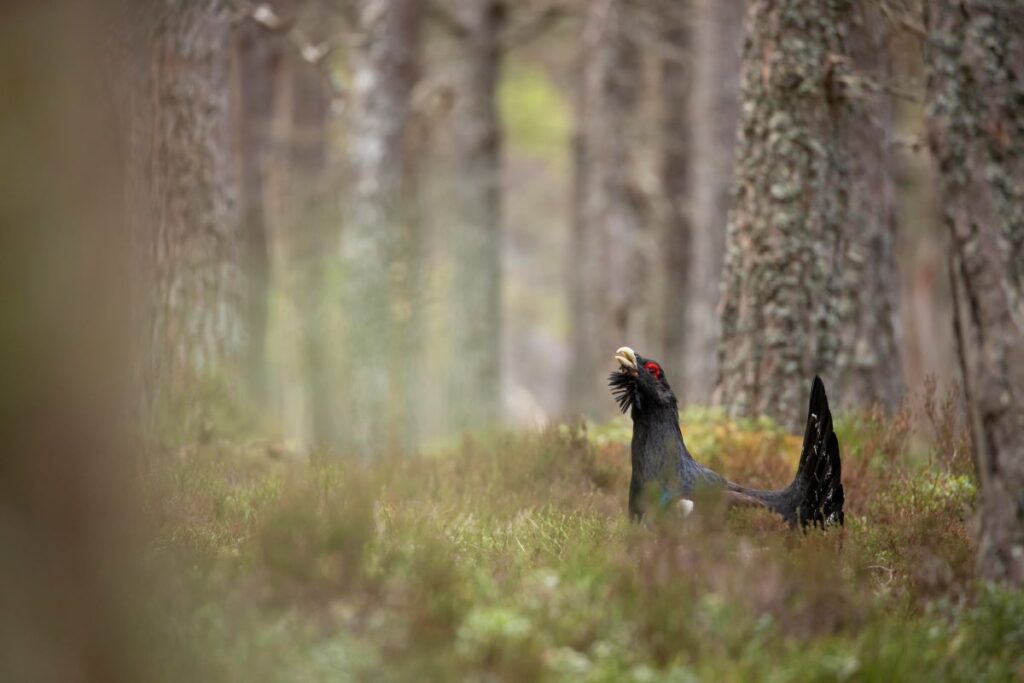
pixel 509 556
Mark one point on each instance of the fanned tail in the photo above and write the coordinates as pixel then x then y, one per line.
pixel 819 477
pixel 816 495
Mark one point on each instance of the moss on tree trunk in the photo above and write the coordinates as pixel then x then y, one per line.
pixel 778 315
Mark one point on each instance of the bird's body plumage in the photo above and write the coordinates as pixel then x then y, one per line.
pixel 660 459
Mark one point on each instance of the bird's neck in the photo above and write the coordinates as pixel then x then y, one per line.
pixel 657 448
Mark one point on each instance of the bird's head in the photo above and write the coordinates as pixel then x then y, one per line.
pixel 640 384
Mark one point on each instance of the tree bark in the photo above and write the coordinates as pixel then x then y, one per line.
pixel 477 258
pixel 779 324
pixel 975 64
pixel 184 206
pixel 675 88
pixel 607 258
pixel 869 368
pixel 581 324
pixel 304 218
pixel 717 46
pixel 378 237
pixel 311 218
pixel 258 54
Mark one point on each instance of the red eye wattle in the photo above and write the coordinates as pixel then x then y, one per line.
pixel 653 368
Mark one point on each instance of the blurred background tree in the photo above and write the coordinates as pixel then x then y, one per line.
pixel 479 30
pixel 455 229
pixel 610 268
pixel 379 254
pixel 184 206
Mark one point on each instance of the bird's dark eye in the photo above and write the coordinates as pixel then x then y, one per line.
pixel 653 368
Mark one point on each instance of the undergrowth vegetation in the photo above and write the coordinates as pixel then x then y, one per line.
pixel 510 558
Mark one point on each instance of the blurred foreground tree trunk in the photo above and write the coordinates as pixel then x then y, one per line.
pixel 975 62
pixel 714 102
pixel 779 326
pixel 184 207
pixel 68 612
pixel 378 238
pixel 607 266
pixel 674 22
pixel 869 368
pixel 477 259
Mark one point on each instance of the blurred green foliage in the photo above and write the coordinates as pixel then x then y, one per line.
pixel 534 112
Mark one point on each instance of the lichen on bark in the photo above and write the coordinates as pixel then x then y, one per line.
pixel 975 63
pixel 779 290
pixel 868 367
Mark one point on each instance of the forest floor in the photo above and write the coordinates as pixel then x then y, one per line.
pixel 510 558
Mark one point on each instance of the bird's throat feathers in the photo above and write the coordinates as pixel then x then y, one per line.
pixel 657 440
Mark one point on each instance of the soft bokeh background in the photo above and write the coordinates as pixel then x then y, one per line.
pixel 303 212
pixel 229 540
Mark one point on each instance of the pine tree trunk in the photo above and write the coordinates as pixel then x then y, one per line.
pixel 377 235
pixel 869 368
pixel 678 257
pixel 975 62
pixel 717 46
pixel 779 326
pixel 184 205
pixel 258 57
pixel 304 215
pixel 477 258
pixel 312 218
pixel 579 380
pixel 607 257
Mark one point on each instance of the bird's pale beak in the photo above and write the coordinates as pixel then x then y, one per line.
pixel 627 358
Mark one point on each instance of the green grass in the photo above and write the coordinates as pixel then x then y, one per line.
pixel 509 558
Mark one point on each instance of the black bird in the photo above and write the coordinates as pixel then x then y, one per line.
pixel 661 462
